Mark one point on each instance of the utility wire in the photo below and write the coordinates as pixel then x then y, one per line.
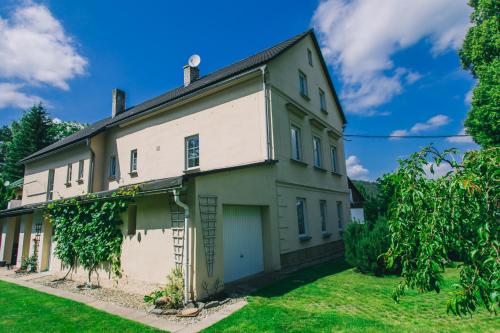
pixel 406 136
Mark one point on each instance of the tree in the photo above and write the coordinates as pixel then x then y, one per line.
pixel 32 133
pixel 480 55
pixel 62 129
pixel 429 219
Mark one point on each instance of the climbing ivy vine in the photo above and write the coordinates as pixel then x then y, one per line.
pixel 86 230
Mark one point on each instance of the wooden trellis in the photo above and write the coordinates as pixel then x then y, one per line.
pixel 208 216
pixel 177 217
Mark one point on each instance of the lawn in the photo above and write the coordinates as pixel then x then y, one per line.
pixel 26 310
pixel 332 297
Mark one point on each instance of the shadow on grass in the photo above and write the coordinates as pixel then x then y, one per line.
pixel 302 277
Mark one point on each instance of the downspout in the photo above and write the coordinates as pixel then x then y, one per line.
pixel 268 113
pixel 186 244
pixel 90 187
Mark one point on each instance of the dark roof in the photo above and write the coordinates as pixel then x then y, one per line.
pixel 178 94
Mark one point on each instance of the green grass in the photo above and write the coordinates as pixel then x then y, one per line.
pixel 332 297
pixel 26 310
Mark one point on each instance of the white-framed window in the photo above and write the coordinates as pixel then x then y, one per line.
pixel 50 185
pixel 133 161
pixel 302 216
pixel 112 166
pixel 334 159
pixel 323 214
pixel 296 143
pixel 317 151
pixel 69 173
pixel 322 100
pixel 303 84
pixel 81 169
pixel 192 151
pixel 309 57
pixel 340 215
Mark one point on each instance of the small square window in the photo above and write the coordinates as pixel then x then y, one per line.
pixel 309 57
pixel 322 100
pixel 112 167
pixel 133 161
pixel 192 151
pixel 81 169
pixel 303 85
pixel 317 151
pixel 296 143
pixel 302 216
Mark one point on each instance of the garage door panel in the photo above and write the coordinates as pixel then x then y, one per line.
pixel 242 231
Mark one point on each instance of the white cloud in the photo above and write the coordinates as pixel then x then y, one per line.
pixel 439 170
pixel 355 169
pixel 431 124
pixel 11 96
pixel 35 49
pixel 461 139
pixel 359 38
pixel 468 97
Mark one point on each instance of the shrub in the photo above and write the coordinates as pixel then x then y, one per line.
pixel 29 264
pixel 173 293
pixel 365 245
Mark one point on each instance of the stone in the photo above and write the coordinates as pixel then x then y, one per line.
pixel 200 305
pixel 211 304
pixel 150 308
pixel 193 312
pixel 224 301
pixel 190 305
pixel 161 301
pixel 170 312
pixel 156 311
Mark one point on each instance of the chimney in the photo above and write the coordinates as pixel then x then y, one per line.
pixel 118 102
pixel 191 74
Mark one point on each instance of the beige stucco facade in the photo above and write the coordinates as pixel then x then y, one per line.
pixel 245 159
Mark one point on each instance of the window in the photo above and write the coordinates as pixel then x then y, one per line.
pixel 50 185
pixel 112 167
pixel 133 161
pixel 192 152
pixel 340 215
pixel 132 220
pixel 309 57
pixel 317 151
pixel 80 170
pixel 296 144
pixel 301 216
pixel 303 84
pixel 322 100
pixel 322 212
pixel 69 174
pixel 334 159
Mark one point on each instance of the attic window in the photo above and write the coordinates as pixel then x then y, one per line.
pixel 309 57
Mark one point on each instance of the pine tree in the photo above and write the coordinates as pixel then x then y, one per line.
pixel 32 133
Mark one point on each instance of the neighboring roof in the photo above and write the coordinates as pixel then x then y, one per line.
pixel 180 93
pixel 357 198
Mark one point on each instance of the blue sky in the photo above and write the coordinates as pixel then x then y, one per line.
pixel 393 62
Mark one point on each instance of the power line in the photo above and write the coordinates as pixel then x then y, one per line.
pixel 407 136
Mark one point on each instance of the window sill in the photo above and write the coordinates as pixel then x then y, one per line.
pixel 304 238
pixel 191 170
pixel 324 111
pixel 305 97
pixel 133 173
pixel 80 181
pixel 111 178
pixel 336 174
pixel 67 184
pixel 320 169
pixel 326 234
pixel 304 164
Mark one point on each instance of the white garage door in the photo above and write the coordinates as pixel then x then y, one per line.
pixel 242 242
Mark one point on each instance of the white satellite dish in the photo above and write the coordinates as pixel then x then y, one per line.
pixel 194 60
